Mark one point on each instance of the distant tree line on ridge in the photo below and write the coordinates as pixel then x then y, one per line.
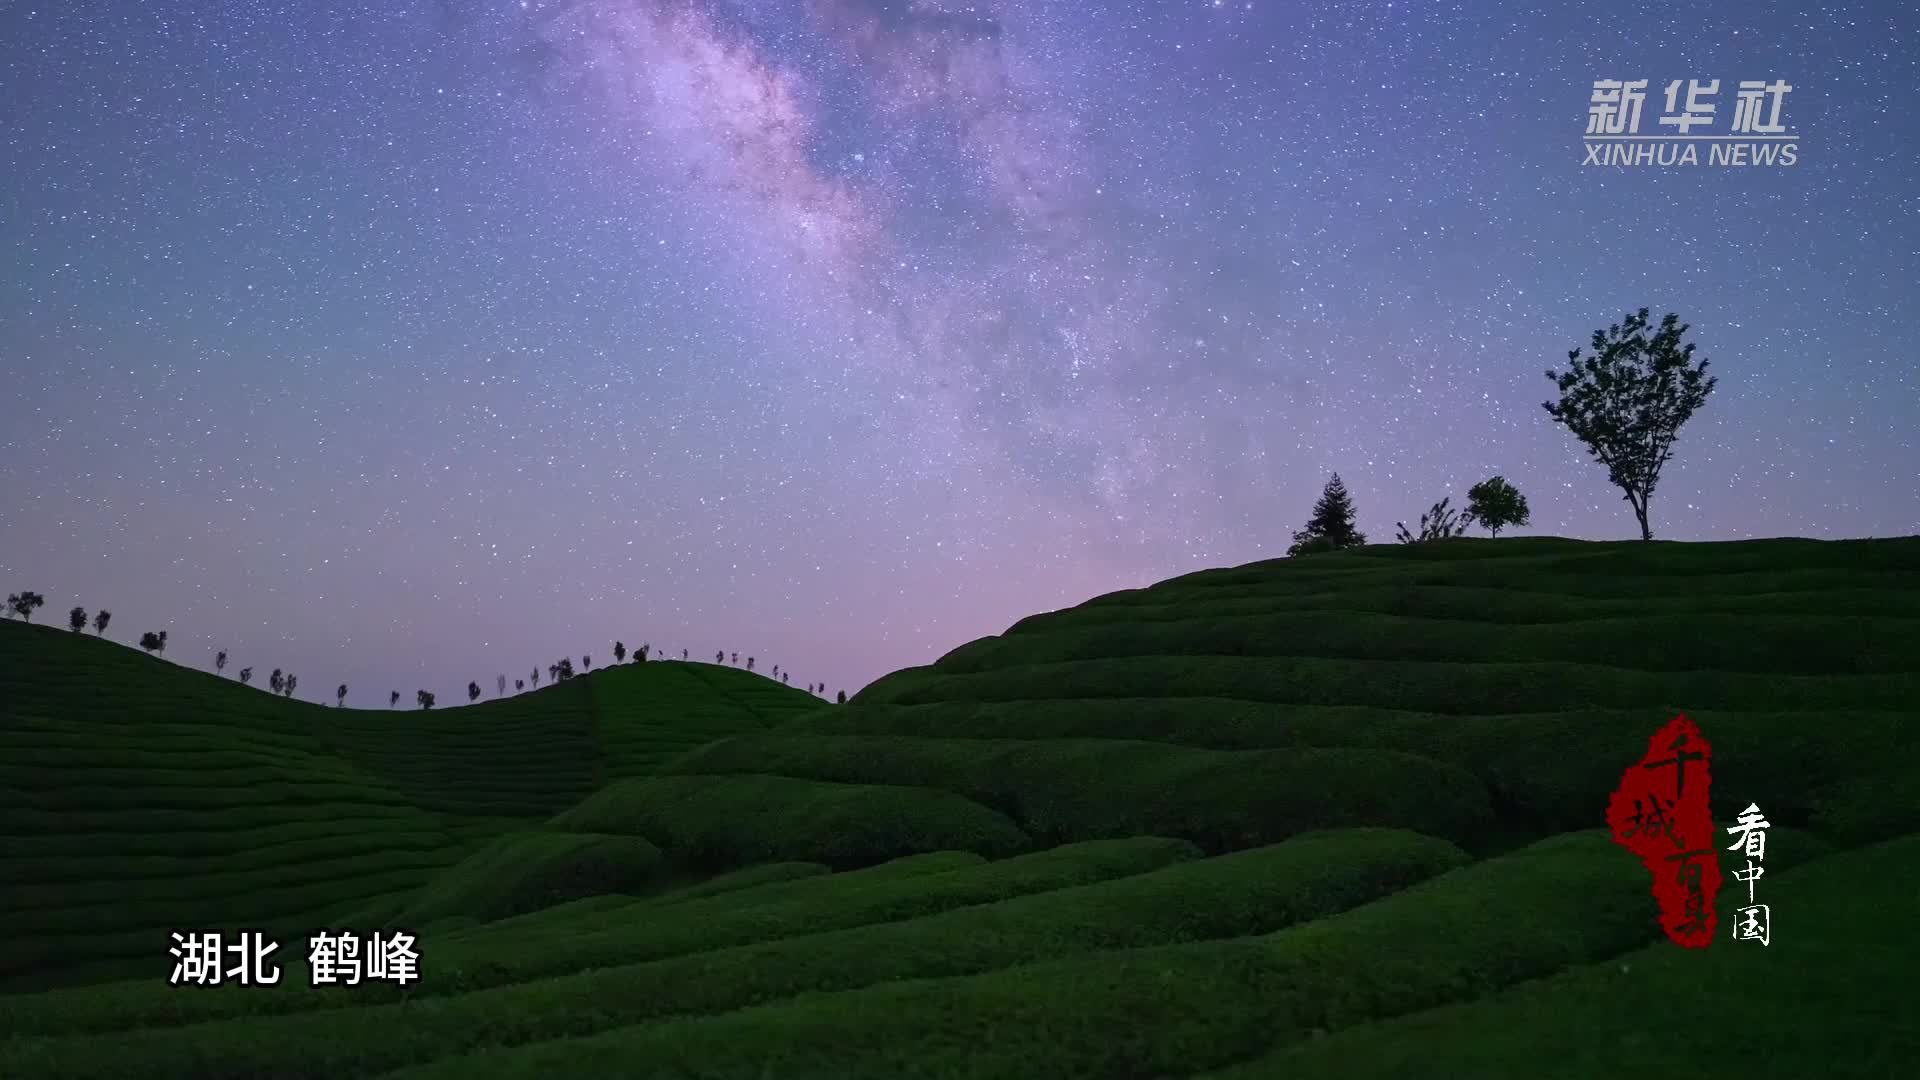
pixel 23 604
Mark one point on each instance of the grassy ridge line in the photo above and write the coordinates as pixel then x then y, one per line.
pixel 754 886
pixel 289 888
pixel 1545 771
pixel 1154 1011
pixel 1512 609
pixel 463 964
pixel 334 822
pixel 56 901
pixel 1403 684
pixel 567 916
pixel 1776 642
pixel 127 797
pixel 1738 1009
pixel 742 819
pixel 1567 583
pixel 1092 788
pixel 1250 892
pixel 127 869
pixel 1601 562
pixel 529 869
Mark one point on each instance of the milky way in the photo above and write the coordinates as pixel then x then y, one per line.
pixel 402 344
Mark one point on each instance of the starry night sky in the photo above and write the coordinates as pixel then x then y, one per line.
pixel 403 343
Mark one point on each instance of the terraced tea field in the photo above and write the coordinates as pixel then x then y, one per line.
pixel 1332 816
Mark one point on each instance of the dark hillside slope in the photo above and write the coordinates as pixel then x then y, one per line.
pixel 1540 666
pixel 138 796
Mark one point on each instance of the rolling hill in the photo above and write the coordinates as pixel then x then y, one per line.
pixel 138 796
pixel 1329 816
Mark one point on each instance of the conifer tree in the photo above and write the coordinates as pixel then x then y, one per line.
pixel 1331 527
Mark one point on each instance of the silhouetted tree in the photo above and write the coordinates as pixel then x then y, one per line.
pixel 749 663
pixel 425 698
pixel 619 652
pixel 720 657
pixel 536 676
pixel 1496 504
pixel 150 641
pixel 1438 523
pixel 393 698
pixel 519 685
pixel 22 604
pixel 77 619
pixel 736 658
pixel 162 650
pixel 563 670
pixel 783 677
pixel 292 681
pixel 473 691
pixel 1627 401
pixel 100 621
pixel 220 661
pixel 1331 527
pixel 843 697
pixel 641 656
pixel 277 680
pixel 500 686
pixel 246 675
pixel 586 663
pixel 340 696
pixel 683 654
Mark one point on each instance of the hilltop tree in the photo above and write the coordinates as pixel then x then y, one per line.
pixel 1438 523
pixel 162 650
pixel 641 656
pixel 683 654
pixel 749 663
pixel 473 692
pixel 340 696
pixel 500 686
pixel 1496 504
pixel 22 604
pixel 100 620
pixel 536 676
pixel 586 663
pixel 1331 527
pixel 736 658
pixel 561 671
pixel 77 619
pixel 720 657
pixel 619 652
pixel 1627 401
pixel 843 698
pixel 150 641
pixel 424 697
pixel 292 681
pixel 783 678
pixel 220 661
pixel 393 698
pixel 519 685
pixel 277 680
pixel 246 675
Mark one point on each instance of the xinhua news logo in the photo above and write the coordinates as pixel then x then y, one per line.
pixel 1689 131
